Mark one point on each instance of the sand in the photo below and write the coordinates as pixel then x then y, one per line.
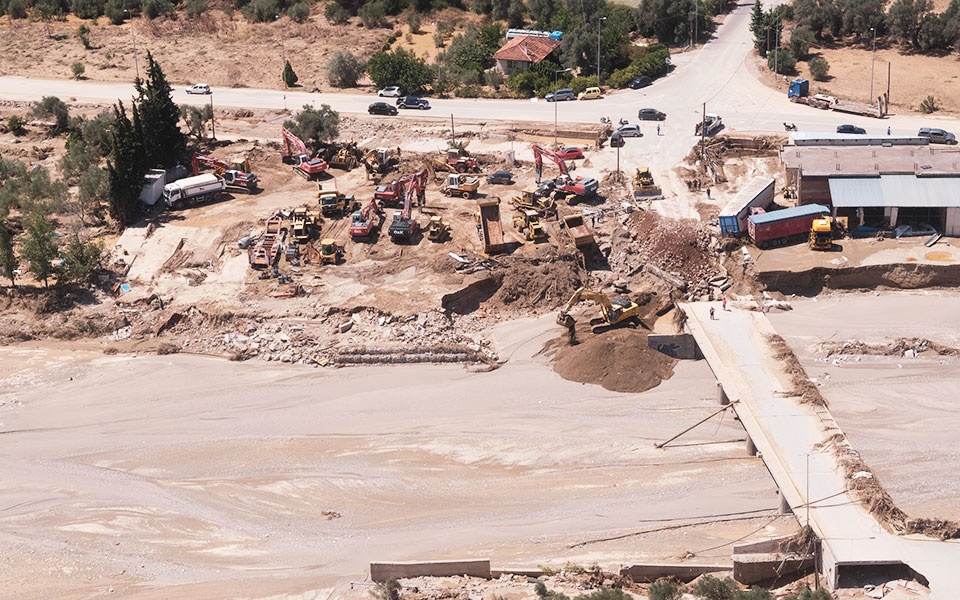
pixel 618 360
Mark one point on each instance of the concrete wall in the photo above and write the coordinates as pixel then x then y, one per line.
pixel 684 573
pixel 762 546
pixel 682 345
pixel 749 569
pixel 437 568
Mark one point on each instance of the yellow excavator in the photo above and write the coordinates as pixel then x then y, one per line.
pixel 613 313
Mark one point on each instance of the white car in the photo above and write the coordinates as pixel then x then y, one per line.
pixel 199 88
pixel 390 91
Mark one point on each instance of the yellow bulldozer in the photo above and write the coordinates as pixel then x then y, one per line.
pixel 643 185
pixel 613 313
pixel 527 222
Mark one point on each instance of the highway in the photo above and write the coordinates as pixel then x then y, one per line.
pixel 789 435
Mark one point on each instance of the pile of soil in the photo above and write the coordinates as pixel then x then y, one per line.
pixel 537 284
pixel 618 360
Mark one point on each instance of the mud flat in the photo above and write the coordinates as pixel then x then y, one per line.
pixel 201 477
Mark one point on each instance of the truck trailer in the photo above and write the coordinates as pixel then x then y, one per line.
pixel 192 190
pixel 757 194
pixel 779 227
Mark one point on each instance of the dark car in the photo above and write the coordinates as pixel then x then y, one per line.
pixel 651 114
pixel 413 102
pixel 938 136
pixel 381 108
pixel 616 140
pixel 640 82
pixel 560 95
pixel 851 129
pixel 570 153
pixel 504 177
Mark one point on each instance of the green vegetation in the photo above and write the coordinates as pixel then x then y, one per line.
pixel 819 68
pixel 39 246
pixel 801 40
pixel 165 142
pixel 387 590
pixel 197 118
pixel 83 33
pixel 399 67
pixel 373 14
pixel 664 589
pixel 929 105
pixel 344 69
pixel 77 69
pixel 51 107
pixel 315 125
pixel 650 61
pixel 15 124
pixel 808 594
pixel 336 14
pixel 783 61
pixel 299 12
pixel 196 8
pixel 289 76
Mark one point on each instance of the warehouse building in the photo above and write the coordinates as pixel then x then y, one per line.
pixel 879 186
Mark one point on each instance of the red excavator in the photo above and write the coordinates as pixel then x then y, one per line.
pixel 362 223
pixel 231 177
pixel 392 193
pixel 564 185
pixel 404 226
pixel 295 151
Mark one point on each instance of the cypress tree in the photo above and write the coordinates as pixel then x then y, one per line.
pixel 8 260
pixel 161 117
pixel 126 166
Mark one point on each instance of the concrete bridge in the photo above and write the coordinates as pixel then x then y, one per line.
pixel 790 438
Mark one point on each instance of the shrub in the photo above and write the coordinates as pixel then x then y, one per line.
pixel 336 14
pixel 154 8
pixel 344 69
pixel 87 9
pixel 493 78
pixel 712 588
pixel 819 68
pixel 114 11
pixel 195 8
pixel 467 91
pixel 784 60
pixel 82 32
pixel 801 40
pixel 373 14
pixel 757 593
pixel 261 11
pixel 808 594
pixel 663 590
pixel 929 105
pixel 51 106
pixel 77 68
pixel 289 77
pixel 413 21
pixel 15 124
pixel 387 590
pixel 17 9
pixel 299 12
pixel 579 84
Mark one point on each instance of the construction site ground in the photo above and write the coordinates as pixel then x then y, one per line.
pixel 883 397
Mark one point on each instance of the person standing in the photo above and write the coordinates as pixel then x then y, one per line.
pixel 888 130
pixel 658 128
pixel 724 303
pixel 712 318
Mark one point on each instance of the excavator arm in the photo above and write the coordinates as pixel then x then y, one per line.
pixel 290 139
pixel 539 152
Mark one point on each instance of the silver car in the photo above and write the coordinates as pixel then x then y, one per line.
pixel 629 131
pixel 199 88
pixel 390 91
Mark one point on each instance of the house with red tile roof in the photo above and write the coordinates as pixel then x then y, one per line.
pixel 522 51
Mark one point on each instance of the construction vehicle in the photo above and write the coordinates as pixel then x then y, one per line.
pixel 488 225
pixel 295 151
pixel 362 221
pixel 826 229
pixel 527 222
pixel 577 229
pixel 461 185
pixel 531 199
pixel 330 252
pixel 232 178
pixel 404 226
pixel 437 229
pixel 266 252
pixel 462 164
pixel 779 227
pixel 333 203
pixel 711 124
pixel 343 156
pixel 191 190
pixel 392 193
pixel 381 160
pixel 304 225
pixel 564 185
pixel 798 91
pixel 643 185
pixel 613 313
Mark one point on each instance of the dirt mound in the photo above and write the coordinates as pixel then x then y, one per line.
pixel 537 284
pixel 619 360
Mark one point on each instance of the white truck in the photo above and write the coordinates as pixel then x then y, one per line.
pixel 191 190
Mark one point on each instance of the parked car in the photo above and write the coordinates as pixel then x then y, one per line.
pixel 640 82
pixel 560 95
pixel 381 108
pixel 616 140
pixel 413 102
pixel 629 130
pixel 851 129
pixel 651 114
pixel 570 153
pixel 938 136
pixel 591 93
pixel 199 88
pixel 502 177
pixel 391 91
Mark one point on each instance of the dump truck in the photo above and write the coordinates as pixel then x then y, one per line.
pixel 643 186
pixel 192 190
pixel 756 194
pixel 779 227
pixel 488 225
pixel 617 312
pixel 437 229
pixel 333 203
pixel 461 185
pixel 710 123
pixel 577 230
pixel 527 222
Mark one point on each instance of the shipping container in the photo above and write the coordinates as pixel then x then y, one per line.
pixel 757 194
pixel 778 227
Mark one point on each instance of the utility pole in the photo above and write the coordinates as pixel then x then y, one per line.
pixel 453 132
pixel 703 128
pixel 873 60
pixel 133 32
pixel 602 19
pixel 213 119
pixel 555 74
pixel 283 50
pixel 695 17
pixel 776 57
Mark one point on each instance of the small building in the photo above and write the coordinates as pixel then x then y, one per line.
pixel 522 51
pixel 879 185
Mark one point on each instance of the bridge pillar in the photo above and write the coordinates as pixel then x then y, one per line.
pixel 722 399
pixel 751 448
pixel 784 505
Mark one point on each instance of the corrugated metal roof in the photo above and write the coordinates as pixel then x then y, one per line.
pixel 829 138
pixel 895 190
pixel 746 195
pixel 789 213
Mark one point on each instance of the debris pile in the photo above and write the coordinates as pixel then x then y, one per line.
pixel 802 386
pixel 906 347
pixel 619 360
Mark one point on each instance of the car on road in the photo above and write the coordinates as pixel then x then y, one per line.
pixel 938 136
pixel 851 129
pixel 502 177
pixel 199 88
pixel 616 140
pixel 591 93
pixel 391 91
pixel 651 114
pixel 561 95
pixel 570 153
pixel 640 82
pixel 381 108
pixel 413 102
pixel 629 130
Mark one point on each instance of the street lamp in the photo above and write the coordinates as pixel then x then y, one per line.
pixel 602 19
pixel 872 61
pixel 133 32
pixel 555 74
pixel 213 118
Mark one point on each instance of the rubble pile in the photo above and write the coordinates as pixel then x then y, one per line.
pixel 572 583
pixel 906 347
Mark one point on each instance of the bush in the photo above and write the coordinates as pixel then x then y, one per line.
pixel 299 12
pixel 17 9
pixel 344 69
pixel 195 8
pixel 663 590
pixel 261 11
pixel 711 588
pixel 15 124
pixel 77 68
pixel 808 594
pixel 82 32
pixel 373 14
pixel 336 14
pixel 114 11
pixel 413 21
pixel 154 8
pixel 87 9
pixel 801 40
pixel 289 77
pixel 929 105
pixel 467 91
pixel 757 593
pixel 819 68
pixel 387 590
pixel 401 68
pixel 785 61
pixel 51 106
pixel 493 78
pixel 579 84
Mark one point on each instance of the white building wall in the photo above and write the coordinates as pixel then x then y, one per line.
pixel 952 225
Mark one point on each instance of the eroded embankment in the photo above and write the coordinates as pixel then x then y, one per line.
pixel 897 276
